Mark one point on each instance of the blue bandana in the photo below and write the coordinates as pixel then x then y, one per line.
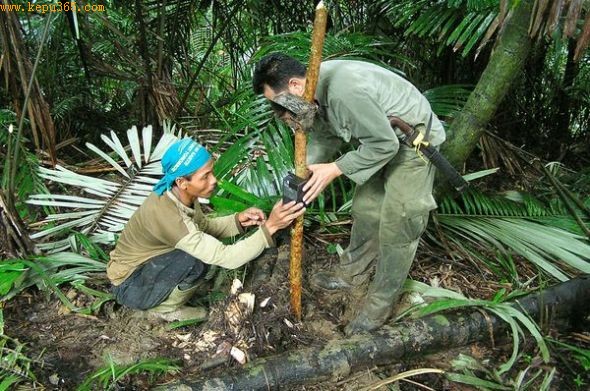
pixel 182 158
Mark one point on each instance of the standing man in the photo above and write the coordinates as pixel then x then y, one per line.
pixel 167 244
pixel 393 196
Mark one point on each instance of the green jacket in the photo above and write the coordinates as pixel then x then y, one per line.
pixel 162 224
pixel 355 99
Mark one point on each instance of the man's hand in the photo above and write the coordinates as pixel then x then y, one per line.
pixel 251 216
pixel 321 176
pixel 282 215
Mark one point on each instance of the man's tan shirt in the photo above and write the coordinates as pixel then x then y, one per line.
pixel 162 224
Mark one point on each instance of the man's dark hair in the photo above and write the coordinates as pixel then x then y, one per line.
pixel 275 70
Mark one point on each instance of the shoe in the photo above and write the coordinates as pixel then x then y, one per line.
pixel 329 281
pixel 174 308
pixel 180 314
pixel 407 305
pixel 361 324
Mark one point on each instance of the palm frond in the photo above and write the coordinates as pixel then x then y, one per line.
pixel 338 46
pixel 104 206
pixel 15 365
pixel 460 24
pixel 528 229
pixel 107 376
pixel 252 169
pixel 448 100
pixel 48 273
pixel 450 300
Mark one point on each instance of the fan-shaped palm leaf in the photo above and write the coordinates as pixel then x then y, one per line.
pixel 104 206
pixel 255 164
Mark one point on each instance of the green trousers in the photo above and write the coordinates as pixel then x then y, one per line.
pixel 390 213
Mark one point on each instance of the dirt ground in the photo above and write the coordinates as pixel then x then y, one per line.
pixel 70 346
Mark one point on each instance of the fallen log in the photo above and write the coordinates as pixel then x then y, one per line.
pixel 390 344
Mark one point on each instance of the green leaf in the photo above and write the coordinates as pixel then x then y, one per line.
pixel 532 328
pixel 516 330
pixel 475 381
pixel 10 272
pixel 480 174
pixel 238 192
pixel 8 382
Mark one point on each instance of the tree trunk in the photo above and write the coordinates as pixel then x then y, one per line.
pixel 17 71
pixel 14 237
pixel 563 133
pixel 506 63
pixel 340 358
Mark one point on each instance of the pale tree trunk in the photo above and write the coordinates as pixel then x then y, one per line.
pixel 506 64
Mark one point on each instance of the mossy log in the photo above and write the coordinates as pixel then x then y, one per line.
pixel 340 358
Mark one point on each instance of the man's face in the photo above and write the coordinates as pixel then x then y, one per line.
pixel 202 183
pixel 296 86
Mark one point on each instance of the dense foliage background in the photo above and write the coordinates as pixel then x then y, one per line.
pixel 70 77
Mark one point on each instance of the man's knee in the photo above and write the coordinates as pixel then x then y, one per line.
pixel 405 220
pixel 403 230
pixel 197 271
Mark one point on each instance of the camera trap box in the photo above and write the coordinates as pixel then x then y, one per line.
pixel 293 188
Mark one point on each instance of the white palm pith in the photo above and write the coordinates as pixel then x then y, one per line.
pixel 105 206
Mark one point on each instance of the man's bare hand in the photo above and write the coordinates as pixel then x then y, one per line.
pixel 251 216
pixel 283 214
pixel 321 176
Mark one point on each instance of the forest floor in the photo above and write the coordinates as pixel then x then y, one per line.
pixel 68 347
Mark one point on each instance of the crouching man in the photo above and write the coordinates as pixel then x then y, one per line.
pixel 167 244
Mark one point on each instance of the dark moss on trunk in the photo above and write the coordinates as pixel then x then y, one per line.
pixel 506 63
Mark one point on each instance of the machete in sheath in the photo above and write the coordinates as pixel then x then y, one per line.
pixel 415 139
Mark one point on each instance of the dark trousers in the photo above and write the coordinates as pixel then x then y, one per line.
pixel 151 283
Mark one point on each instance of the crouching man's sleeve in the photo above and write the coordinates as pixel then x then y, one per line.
pixel 219 227
pixel 212 251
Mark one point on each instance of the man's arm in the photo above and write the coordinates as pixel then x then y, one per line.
pixel 359 112
pixel 211 251
pixel 232 225
pixel 322 145
pixel 218 227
